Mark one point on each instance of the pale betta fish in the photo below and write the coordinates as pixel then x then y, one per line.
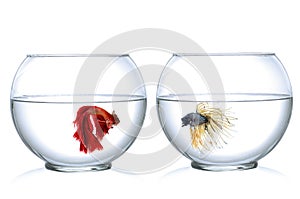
pixel 209 127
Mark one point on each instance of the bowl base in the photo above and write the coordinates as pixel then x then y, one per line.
pixel 211 167
pixel 62 168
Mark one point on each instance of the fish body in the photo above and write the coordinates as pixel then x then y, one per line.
pixel 193 119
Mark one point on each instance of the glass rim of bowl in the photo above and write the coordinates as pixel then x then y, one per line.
pixel 78 55
pixel 225 54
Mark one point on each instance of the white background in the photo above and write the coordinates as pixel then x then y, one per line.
pixel 80 26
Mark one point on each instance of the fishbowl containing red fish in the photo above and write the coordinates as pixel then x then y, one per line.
pixel 78 112
pixel 224 111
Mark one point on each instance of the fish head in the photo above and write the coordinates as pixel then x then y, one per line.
pixel 186 120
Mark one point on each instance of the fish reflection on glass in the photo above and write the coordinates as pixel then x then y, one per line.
pixel 93 123
pixel 210 127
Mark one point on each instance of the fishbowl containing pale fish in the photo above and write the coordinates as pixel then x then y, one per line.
pixel 224 111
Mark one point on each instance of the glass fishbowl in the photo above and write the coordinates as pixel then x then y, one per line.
pixel 78 112
pixel 224 111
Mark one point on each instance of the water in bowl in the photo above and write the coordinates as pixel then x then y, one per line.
pixel 45 124
pixel 260 122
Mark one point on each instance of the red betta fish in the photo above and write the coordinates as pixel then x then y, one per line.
pixel 92 124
